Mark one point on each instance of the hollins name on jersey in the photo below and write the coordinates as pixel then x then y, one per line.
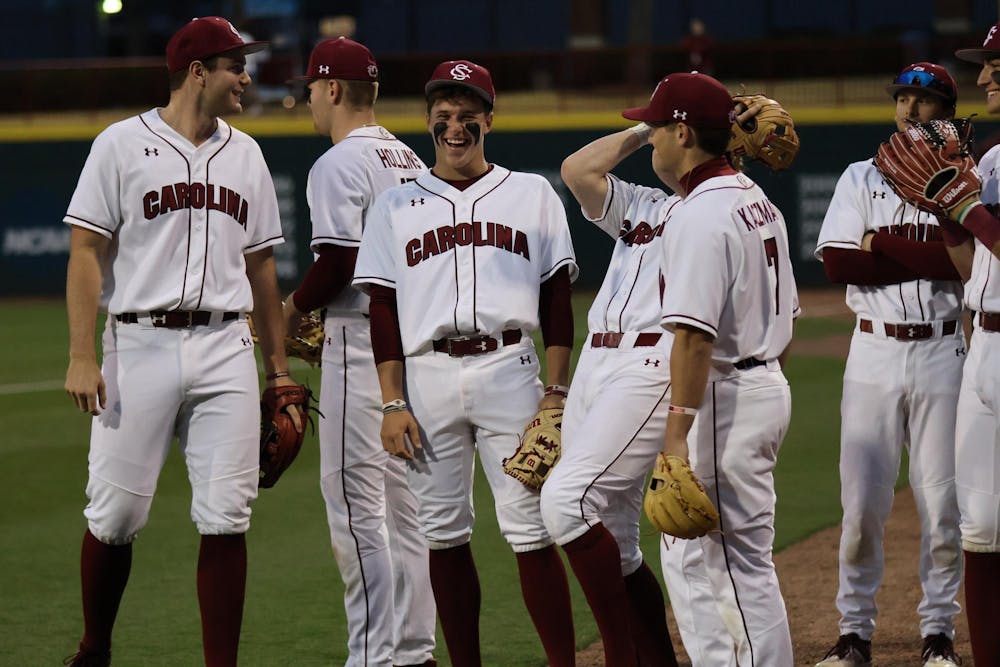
pixel 446 237
pixel 397 158
pixel 195 195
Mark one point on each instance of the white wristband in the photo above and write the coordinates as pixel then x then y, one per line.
pixel 394 405
pixel 642 132
pixel 680 409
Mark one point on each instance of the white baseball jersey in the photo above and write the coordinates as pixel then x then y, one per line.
pixel 862 203
pixel 343 184
pixel 469 261
pixel 727 270
pixel 629 298
pixel 982 292
pixel 173 211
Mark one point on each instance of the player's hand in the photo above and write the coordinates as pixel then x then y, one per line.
pixel 298 419
pixel 866 241
pixel 291 315
pixel 745 113
pixel 675 447
pixel 400 434
pixel 557 401
pixel 85 385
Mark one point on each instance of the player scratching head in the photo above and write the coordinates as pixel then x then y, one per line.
pixel 341 87
pixel 989 57
pixel 691 115
pixel 460 97
pixel 206 61
pixel 923 92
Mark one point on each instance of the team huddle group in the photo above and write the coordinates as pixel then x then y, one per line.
pixel 431 281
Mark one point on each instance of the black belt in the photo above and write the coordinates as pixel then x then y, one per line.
pixel 175 319
pixel 460 346
pixel 748 363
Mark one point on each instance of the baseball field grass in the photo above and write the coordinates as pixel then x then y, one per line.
pixel 294 612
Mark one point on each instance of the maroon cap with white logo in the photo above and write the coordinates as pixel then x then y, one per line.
pixel 203 38
pixel 692 98
pixel 340 58
pixel 463 73
pixel 990 48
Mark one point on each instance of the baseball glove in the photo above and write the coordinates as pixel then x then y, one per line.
pixel 769 136
pixel 929 166
pixel 540 448
pixel 279 441
pixel 676 502
pixel 306 343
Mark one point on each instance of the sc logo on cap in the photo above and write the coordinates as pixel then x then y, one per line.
pixel 461 72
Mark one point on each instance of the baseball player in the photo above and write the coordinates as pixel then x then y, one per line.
pixel 460 265
pixel 372 513
pixel 974 249
pixel 731 329
pixel 173 222
pixel 900 384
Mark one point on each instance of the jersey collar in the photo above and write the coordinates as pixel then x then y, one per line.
pixel 430 182
pixel 715 167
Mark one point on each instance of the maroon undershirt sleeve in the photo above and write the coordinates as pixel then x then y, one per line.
pixel 981 222
pixel 327 277
pixel 928 258
pixel 857 267
pixel 555 309
pixel 953 233
pixel 387 345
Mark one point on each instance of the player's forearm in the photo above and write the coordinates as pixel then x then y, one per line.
pixel 267 312
pixel 690 359
pixel 929 259
pixel 390 379
pixel 857 267
pixel 981 223
pixel 326 278
pixel 961 256
pixel 83 290
pixel 584 171
pixel 557 365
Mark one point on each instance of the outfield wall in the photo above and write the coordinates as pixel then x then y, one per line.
pixel 39 177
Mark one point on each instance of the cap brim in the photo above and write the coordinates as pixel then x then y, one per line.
pixel 247 48
pixel 637 113
pixel 976 56
pixel 431 86
pixel 894 88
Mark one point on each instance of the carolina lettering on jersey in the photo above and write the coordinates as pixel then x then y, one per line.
pixel 642 234
pixel 398 158
pixel 445 238
pixel 757 214
pixel 195 195
pixel 920 231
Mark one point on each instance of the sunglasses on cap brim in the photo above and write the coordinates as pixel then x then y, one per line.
pixel 923 80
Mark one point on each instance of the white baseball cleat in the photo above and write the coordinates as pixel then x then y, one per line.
pixel 849 651
pixel 939 652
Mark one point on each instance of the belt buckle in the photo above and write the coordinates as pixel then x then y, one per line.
pixel 481 347
pixel 158 319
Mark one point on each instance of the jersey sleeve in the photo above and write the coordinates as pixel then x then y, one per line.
pixel 697 268
pixel 845 222
pixel 376 264
pixel 96 202
pixel 338 193
pixel 264 224
pixel 557 244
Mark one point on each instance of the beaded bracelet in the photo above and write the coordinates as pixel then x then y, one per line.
pixel 556 390
pixel 279 374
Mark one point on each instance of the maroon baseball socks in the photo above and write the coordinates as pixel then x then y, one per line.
pixel 456 592
pixel 648 618
pixel 222 577
pixel 104 570
pixel 546 595
pixel 982 605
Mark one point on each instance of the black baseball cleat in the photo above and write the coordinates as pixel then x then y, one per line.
pixel 87 658
pixel 849 651
pixel 939 651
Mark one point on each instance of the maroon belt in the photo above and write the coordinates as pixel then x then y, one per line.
pixel 914 331
pixel 174 319
pixel 460 346
pixel 989 321
pixel 614 339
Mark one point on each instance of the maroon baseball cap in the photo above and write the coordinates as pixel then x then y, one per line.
pixel 928 77
pixel 990 48
pixel 695 99
pixel 463 73
pixel 340 58
pixel 203 38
